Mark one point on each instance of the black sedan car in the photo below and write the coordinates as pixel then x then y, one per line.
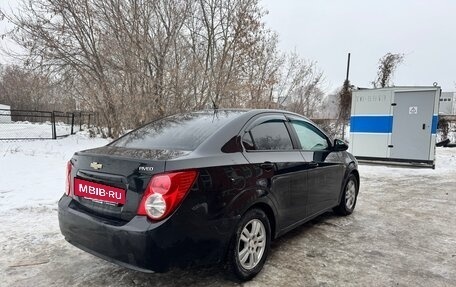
pixel 205 187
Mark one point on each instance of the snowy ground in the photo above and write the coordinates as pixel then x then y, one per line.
pixel 451 136
pixel 401 234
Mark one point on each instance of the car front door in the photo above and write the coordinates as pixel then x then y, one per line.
pixel 282 172
pixel 324 178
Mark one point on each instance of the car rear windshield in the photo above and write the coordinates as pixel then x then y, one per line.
pixel 178 132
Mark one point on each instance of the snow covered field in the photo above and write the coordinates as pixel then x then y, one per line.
pixel 33 172
pixel 33 130
pixel 402 233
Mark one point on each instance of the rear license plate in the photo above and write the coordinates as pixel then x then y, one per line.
pixel 97 191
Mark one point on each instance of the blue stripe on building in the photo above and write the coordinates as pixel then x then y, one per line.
pixel 371 124
pixel 435 120
pixel 379 124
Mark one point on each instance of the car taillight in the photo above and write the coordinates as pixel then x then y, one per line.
pixel 68 179
pixel 165 192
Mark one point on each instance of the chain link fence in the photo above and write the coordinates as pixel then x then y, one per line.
pixel 31 125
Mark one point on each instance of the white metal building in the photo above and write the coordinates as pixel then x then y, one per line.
pixel 395 124
pixel 447 103
pixel 5 114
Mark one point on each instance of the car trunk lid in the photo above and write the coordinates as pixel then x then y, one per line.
pixel 122 171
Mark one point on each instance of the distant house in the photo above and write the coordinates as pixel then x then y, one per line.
pixel 447 103
pixel 5 114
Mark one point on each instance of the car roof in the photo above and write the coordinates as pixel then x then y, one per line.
pixel 216 136
pixel 214 143
pixel 247 112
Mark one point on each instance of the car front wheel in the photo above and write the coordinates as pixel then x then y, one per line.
pixel 348 201
pixel 250 245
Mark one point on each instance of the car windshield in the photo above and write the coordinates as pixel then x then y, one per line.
pixel 178 132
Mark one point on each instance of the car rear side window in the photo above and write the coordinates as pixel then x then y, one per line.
pixel 179 132
pixel 309 136
pixel 270 135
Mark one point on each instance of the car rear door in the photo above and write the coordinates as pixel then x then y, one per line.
pixel 326 169
pixel 282 172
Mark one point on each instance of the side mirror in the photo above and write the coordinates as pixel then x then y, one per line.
pixel 339 145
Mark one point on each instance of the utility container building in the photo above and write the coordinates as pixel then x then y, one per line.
pixel 447 103
pixel 395 124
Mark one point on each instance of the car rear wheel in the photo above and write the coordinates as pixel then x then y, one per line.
pixel 348 201
pixel 250 245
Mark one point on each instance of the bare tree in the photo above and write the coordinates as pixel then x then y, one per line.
pixel 387 65
pixel 262 74
pixel 345 98
pixel 225 40
pixel 299 85
pixel 135 61
pixel 30 90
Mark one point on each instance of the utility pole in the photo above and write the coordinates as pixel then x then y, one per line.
pixel 345 90
pixel 348 67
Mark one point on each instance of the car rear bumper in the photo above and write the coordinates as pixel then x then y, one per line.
pixel 144 245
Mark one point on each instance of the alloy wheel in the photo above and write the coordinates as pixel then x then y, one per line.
pixel 350 194
pixel 252 243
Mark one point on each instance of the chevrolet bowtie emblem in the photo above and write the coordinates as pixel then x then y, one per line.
pixel 96 165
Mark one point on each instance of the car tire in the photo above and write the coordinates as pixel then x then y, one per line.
pixel 349 197
pixel 250 245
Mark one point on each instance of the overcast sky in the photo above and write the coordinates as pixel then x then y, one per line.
pixel 326 30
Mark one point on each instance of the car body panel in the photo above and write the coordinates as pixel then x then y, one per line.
pixel 285 182
pixel 324 180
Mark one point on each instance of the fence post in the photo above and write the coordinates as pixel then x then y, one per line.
pixel 88 122
pixel 72 123
pixel 54 130
pixel 80 121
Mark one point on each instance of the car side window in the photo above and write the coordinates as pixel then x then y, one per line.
pixel 247 141
pixel 270 135
pixel 309 136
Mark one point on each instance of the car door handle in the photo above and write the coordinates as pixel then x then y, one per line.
pixel 267 165
pixel 312 164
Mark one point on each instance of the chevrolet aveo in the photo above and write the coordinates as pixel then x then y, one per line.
pixel 205 187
